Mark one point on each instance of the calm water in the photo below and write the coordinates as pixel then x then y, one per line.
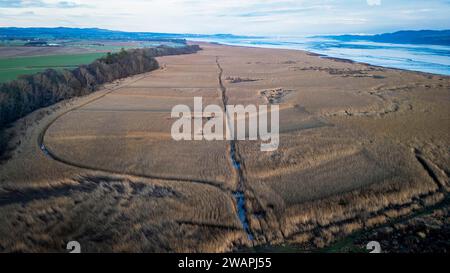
pixel 425 58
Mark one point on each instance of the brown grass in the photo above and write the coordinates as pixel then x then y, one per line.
pixel 355 151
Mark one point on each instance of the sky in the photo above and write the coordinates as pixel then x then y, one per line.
pixel 247 17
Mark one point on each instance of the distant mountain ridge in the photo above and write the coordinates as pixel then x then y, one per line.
pixel 429 37
pixel 97 33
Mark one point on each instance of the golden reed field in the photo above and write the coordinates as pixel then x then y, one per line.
pixel 360 146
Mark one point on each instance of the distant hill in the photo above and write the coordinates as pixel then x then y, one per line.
pixel 429 37
pixel 96 34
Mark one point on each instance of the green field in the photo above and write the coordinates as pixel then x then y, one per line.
pixel 11 68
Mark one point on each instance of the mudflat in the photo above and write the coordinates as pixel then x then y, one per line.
pixel 359 146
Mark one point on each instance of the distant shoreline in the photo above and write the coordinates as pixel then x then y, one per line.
pixel 324 56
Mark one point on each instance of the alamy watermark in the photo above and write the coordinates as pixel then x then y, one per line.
pixel 238 122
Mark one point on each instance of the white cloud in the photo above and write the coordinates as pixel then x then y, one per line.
pixel 259 17
pixel 373 2
pixel 38 4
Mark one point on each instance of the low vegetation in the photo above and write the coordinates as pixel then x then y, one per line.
pixel 117 182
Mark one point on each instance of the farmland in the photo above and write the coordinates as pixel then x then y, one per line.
pixel 11 68
pixel 17 58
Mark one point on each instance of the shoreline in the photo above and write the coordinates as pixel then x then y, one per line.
pixel 321 55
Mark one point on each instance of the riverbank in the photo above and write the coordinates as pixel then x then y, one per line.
pixel 411 57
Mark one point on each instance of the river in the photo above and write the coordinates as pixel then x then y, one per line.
pixel 424 58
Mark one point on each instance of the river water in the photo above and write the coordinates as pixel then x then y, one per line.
pixel 425 58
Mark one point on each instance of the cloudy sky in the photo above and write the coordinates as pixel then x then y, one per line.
pixel 257 17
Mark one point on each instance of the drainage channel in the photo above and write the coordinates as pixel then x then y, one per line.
pixel 239 194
